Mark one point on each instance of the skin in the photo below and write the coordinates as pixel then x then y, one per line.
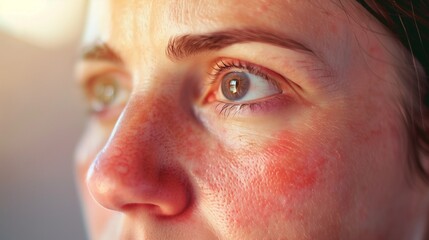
pixel 324 159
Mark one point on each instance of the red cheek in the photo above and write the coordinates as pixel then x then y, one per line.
pixel 290 175
pixel 262 181
pixel 293 165
pixel 282 178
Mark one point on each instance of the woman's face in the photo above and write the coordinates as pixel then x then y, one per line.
pixel 243 120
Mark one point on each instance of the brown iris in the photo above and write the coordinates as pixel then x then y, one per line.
pixel 103 92
pixel 235 85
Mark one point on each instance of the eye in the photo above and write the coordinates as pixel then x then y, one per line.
pixel 241 82
pixel 245 87
pixel 107 93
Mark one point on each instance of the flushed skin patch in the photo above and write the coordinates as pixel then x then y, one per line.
pixel 322 159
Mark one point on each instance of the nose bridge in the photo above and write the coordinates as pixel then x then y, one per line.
pixel 134 168
pixel 140 125
pixel 133 134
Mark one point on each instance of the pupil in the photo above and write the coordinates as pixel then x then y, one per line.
pixel 235 85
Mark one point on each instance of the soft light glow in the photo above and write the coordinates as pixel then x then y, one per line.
pixel 47 23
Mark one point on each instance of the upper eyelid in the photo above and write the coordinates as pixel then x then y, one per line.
pixel 313 70
pixel 224 64
pixel 85 71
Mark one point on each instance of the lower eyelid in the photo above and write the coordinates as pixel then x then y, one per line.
pixel 272 104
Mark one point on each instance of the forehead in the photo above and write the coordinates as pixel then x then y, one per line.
pixel 186 12
pixel 139 30
pixel 132 20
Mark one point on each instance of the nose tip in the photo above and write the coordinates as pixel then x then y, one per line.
pixel 121 181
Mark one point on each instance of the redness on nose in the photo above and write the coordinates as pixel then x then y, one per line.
pixel 139 165
pixel 116 156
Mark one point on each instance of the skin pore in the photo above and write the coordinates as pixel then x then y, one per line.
pixel 314 149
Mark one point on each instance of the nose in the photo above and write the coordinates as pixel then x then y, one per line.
pixel 138 166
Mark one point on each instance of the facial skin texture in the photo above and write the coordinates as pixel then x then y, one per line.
pixel 323 159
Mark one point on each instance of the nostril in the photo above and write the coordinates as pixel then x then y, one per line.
pixel 150 209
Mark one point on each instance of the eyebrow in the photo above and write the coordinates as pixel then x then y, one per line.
pixel 184 46
pixel 100 51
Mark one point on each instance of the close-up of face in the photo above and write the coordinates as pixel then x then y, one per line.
pixel 261 119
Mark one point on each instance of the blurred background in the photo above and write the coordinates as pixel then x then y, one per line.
pixel 42 114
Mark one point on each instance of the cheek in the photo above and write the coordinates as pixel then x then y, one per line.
pixel 252 187
pixel 292 166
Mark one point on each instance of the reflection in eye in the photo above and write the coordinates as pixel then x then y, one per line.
pixel 106 92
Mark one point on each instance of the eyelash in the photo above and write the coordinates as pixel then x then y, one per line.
pixel 225 108
pixel 224 65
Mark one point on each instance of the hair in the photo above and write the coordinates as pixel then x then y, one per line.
pixel 408 21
